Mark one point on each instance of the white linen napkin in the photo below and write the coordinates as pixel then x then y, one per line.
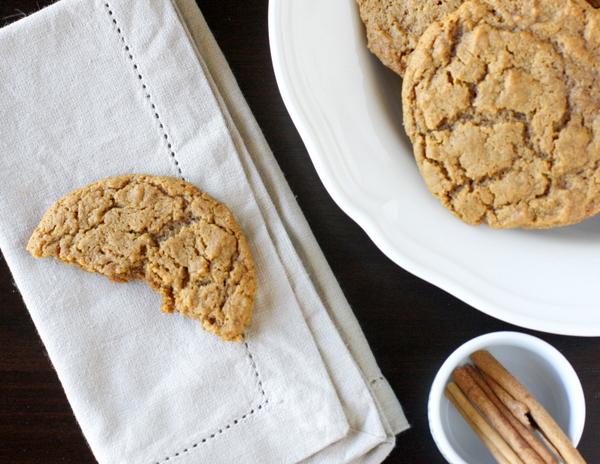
pixel 95 88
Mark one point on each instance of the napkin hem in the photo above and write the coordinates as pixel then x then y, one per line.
pixel 301 239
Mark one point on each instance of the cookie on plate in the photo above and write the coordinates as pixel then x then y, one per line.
pixel 394 26
pixel 165 232
pixel 501 100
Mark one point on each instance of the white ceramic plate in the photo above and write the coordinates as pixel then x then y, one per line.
pixel 347 109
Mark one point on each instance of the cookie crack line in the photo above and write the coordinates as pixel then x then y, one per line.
pixel 167 139
pixel 169 230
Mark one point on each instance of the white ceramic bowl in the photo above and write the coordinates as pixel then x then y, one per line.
pixel 542 369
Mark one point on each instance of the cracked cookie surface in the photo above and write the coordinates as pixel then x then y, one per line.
pixel 501 101
pixel 165 232
pixel 394 26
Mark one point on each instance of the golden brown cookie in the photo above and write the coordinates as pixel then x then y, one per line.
pixel 165 232
pixel 501 100
pixel 394 26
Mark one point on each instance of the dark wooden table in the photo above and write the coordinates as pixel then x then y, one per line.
pixel 412 326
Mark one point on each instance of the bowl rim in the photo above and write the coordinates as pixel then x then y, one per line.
pixel 570 380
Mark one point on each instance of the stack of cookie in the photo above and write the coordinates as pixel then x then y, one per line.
pixel 501 100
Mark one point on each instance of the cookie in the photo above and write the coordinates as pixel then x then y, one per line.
pixel 501 100
pixel 184 244
pixel 394 26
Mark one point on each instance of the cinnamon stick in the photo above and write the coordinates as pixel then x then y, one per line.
pixel 519 409
pixel 490 438
pixel 526 433
pixel 469 386
pixel 485 362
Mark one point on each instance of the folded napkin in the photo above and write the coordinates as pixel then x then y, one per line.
pixel 91 89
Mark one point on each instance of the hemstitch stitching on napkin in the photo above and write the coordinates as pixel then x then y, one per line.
pixel 259 383
pixel 234 422
pixel 147 94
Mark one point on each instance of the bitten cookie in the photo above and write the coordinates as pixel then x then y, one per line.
pixel 501 100
pixel 165 232
pixel 394 26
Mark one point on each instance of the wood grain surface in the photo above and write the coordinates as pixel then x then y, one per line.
pixel 412 326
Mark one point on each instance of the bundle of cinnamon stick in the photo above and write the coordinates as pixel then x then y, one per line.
pixel 506 417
